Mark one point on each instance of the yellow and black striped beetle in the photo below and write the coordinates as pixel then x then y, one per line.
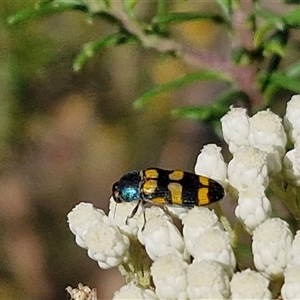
pixel 171 187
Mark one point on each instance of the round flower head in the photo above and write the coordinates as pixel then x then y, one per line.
pixel 107 245
pixel 271 246
pixel 292 118
pixel 131 291
pixel 83 217
pixel 210 163
pixel 235 127
pixel 266 130
pixel 294 257
pixel 253 207
pixel 119 215
pixel 206 278
pixel 291 288
pixel 291 163
pixel 247 168
pixel 249 284
pixel 195 223
pixel 160 236
pixel 214 245
pixel 169 273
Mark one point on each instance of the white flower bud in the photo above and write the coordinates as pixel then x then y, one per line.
pixel 131 291
pixel 291 287
pixel 214 245
pixel 83 292
pixel 266 130
pixel 215 295
pixel 206 278
pixel 107 245
pixel 160 236
pixel 291 164
pixel 195 223
pixel 271 246
pixel 292 118
pixel 235 127
pixel 253 207
pixel 294 257
pixel 153 212
pixel 119 215
pixel 82 217
pixel 169 273
pixel 249 284
pixel 210 163
pixel 247 168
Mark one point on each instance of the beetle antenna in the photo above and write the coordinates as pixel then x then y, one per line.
pixel 144 214
pixel 134 211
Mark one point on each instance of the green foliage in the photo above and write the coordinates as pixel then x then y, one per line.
pixel 89 49
pixel 210 113
pixel 45 9
pixel 262 43
pixel 179 17
pixel 281 80
pixel 177 83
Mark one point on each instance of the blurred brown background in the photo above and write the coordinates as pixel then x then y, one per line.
pixel 66 137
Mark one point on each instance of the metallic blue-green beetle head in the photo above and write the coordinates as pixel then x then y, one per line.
pixel 127 189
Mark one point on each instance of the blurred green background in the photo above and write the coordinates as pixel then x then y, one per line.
pixel 66 137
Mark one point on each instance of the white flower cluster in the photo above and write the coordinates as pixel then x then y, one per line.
pixel 258 147
pixel 173 273
pixel 291 287
pixel 95 232
pixel 197 261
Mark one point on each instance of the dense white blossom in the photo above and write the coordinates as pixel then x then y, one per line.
pixel 271 246
pixel 291 287
pixel 83 217
pixel 169 275
pixel 173 252
pixel 253 207
pixel 130 291
pixel 195 223
pixel 247 168
pixel 236 127
pixel 294 257
pixel 160 236
pixel 214 245
pixel 210 163
pixel 292 166
pixel 292 118
pixel 266 130
pixel 107 245
pixel 249 284
pixel 119 215
pixel 206 278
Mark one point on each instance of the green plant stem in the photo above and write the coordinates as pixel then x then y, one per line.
pixel 244 76
pixel 138 267
pixel 288 196
pixel 226 225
